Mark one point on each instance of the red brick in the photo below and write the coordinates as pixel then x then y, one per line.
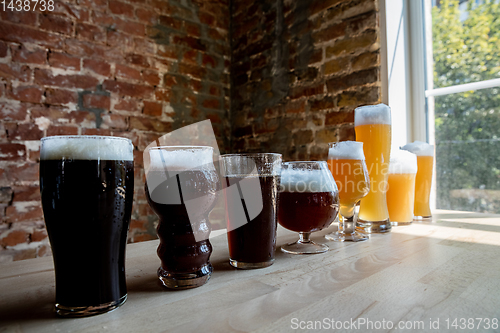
pixel 152 108
pixel 14 237
pixel 170 22
pixel 102 18
pixel 13 111
pixel 209 60
pixel 195 71
pixel 315 89
pixel 128 89
pixel 335 118
pixel 45 77
pixel 207 19
pixel 26 193
pixel 62 130
pixel 192 29
pixel 168 51
pixel 3 49
pixel 137 59
pixel 127 105
pixel 96 131
pixel 147 16
pixel 191 57
pixel 60 96
pixel 129 27
pixel 23 172
pixel 145 46
pixel 330 33
pixel 214 90
pixel 95 101
pixel 127 72
pixel 121 8
pixel 12 151
pixel 115 121
pixel 80 14
pixel 21 54
pixel 151 77
pixel 25 131
pixel 102 4
pixel 211 103
pixel 119 40
pixel 21 34
pixel 62 60
pixel 55 23
pixel 97 66
pixel 91 50
pixel 15 72
pixel 38 235
pixel 355 79
pixel 90 32
pixel 17 213
pixel 188 41
pixel 32 94
pixel 147 124
pixel 162 95
pixel 23 17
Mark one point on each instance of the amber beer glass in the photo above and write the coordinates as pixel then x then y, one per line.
pixel 86 185
pixel 423 181
pixel 401 191
pixel 373 128
pixel 346 161
pixel 309 202
pixel 181 187
pixel 250 185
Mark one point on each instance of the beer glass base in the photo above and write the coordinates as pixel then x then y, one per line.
pixel 352 237
pixel 400 223
pixel 185 280
pixel 422 218
pixel 250 265
pixel 86 311
pixel 370 227
pixel 304 248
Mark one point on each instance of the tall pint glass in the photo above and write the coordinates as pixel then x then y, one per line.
pixel 401 191
pixel 373 127
pixel 423 181
pixel 181 188
pixel 86 185
pixel 251 184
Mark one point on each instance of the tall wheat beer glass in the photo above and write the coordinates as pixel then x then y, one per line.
pixel 401 192
pixel 87 185
pixel 373 128
pixel 423 181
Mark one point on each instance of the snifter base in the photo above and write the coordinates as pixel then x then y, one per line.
pixel 250 265
pixel 87 311
pixel 185 280
pixel 299 247
pixel 371 227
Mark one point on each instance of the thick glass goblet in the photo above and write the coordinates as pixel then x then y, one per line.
pixel 346 161
pixel 308 203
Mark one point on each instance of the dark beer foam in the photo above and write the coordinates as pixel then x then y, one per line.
pixel 80 147
pixel 313 181
pixel 180 158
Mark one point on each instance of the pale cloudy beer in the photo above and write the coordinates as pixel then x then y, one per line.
pixel 401 191
pixel 346 161
pixel 423 181
pixel 86 185
pixel 373 128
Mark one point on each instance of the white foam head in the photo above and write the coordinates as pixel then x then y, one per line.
pixel 180 158
pixel 372 114
pixel 420 148
pixel 305 180
pixel 402 161
pixel 86 147
pixel 346 150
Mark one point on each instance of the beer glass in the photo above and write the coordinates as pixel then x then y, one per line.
pixel 86 185
pixel 346 161
pixel 181 188
pixel 401 191
pixel 309 202
pixel 423 180
pixel 372 125
pixel 251 193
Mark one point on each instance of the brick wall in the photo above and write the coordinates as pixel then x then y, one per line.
pixel 299 69
pixel 130 68
pixel 285 78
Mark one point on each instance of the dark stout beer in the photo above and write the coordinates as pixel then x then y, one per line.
pixel 87 205
pixel 255 240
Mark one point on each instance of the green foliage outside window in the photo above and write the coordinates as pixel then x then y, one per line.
pixel 467 124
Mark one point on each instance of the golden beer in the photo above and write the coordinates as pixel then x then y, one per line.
pixel 373 128
pixel 423 180
pixel 401 191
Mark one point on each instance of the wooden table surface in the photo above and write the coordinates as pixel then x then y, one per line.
pixel 414 276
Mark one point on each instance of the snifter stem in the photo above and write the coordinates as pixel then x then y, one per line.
pixel 304 237
pixel 347 230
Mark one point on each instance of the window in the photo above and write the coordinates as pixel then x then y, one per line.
pixel 443 64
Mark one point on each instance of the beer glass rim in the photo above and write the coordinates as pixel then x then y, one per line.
pixel 179 147
pixel 251 155
pixel 99 137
